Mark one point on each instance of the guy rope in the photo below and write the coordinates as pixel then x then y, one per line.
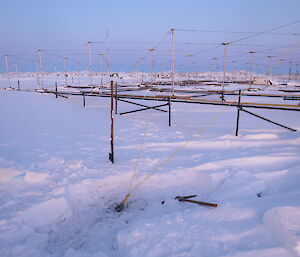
pixel 120 207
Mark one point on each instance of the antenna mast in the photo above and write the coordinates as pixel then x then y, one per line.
pixel 90 63
pixel 107 50
pixel 173 60
pixel 7 69
pixel 40 63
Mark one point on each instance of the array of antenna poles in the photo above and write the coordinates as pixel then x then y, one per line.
pixel 173 53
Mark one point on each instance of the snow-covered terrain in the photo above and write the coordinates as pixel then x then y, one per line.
pixel 58 189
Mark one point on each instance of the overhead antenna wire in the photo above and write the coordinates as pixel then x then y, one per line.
pixel 257 58
pixel 234 32
pixel 244 38
pixel 265 32
pixel 59 56
pixel 292 48
pixel 147 51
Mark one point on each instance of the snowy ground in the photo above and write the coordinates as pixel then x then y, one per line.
pixel 58 189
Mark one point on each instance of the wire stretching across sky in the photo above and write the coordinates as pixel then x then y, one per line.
pixel 265 32
pixel 234 32
pixel 147 51
pixel 240 39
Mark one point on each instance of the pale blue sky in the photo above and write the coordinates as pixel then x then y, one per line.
pixel 58 25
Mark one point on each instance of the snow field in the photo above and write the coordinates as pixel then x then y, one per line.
pixel 58 189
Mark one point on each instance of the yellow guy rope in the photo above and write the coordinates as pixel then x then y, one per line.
pixel 158 166
pixel 139 153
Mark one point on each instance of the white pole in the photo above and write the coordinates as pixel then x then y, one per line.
pixel 37 71
pixel 225 44
pixel 173 60
pixel 251 63
pixel 290 71
pixel 214 68
pixel 143 68
pixel 78 70
pixel 7 69
pixel 107 51
pixel 101 67
pixel 41 70
pixel 135 71
pixel 189 66
pixel 65 68
pixel 268 67
pixel 152 65
pixel 90 63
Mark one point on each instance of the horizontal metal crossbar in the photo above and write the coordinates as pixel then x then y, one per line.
pixel 147 108
pixel 180 99
pixel 154 107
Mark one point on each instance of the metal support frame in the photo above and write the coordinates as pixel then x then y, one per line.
pixel 56 93
pixel 111 154
pixel 169 102
pixel 222 96
pixel 116 98
pixel 83 98
pixel 142 105
pixel 238 114
pixel 240 108
pixel 263 118
pixel 146 107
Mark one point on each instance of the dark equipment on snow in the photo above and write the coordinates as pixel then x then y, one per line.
pixel 187 199
pixel 119 207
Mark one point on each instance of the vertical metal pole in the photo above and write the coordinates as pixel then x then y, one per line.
pixel 111 154
pixel 152 65
pixel 116 98
pixel 90 63
pixel 268 67
pixel 135 71
pixel 83 96
pixel 37 73
pixel 238 114
pixel 290 71
pixel 65 68
pixel 78 63
pixel 224 63
pixel 41 68
pixel 107 53
pixel 251 69
pixel 222 96
pixel 19 85
pixel 169 101
pixel 55 89
pixel 101 67
pixel 143 68
pixel 7 69
pixel 173 60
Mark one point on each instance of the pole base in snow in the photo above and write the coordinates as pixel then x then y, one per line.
pixel 119 207
pixel 111 157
